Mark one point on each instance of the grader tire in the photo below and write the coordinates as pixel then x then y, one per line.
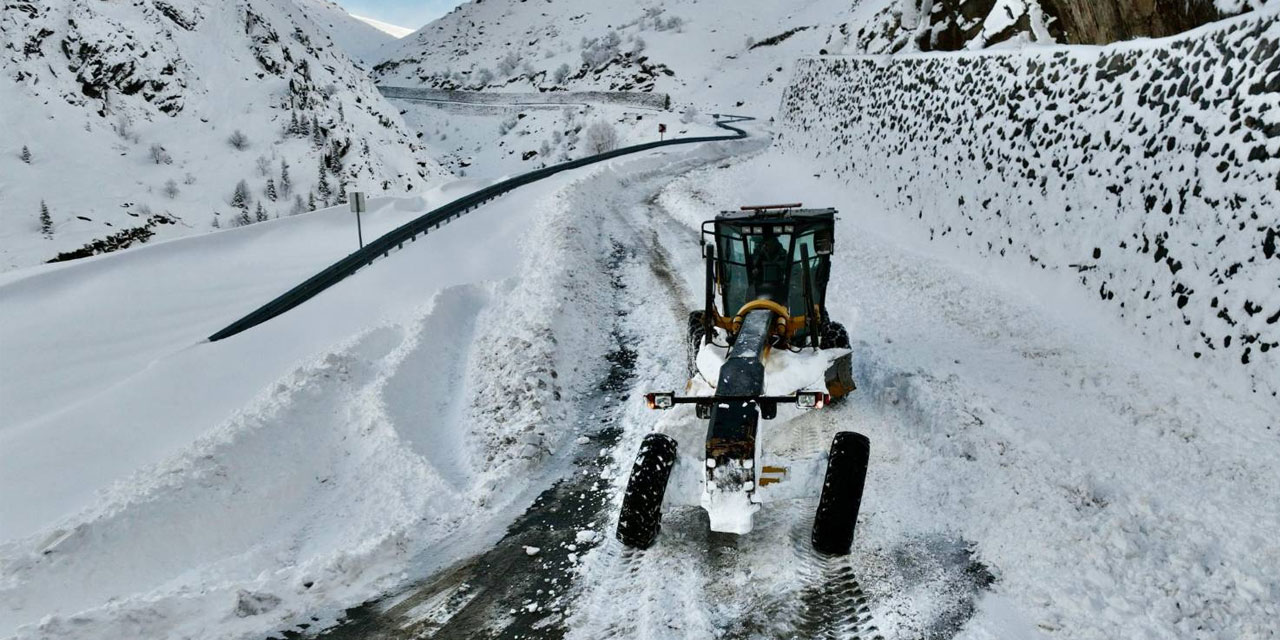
pixel 641 517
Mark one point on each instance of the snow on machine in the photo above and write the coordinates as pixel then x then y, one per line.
pixel 769 266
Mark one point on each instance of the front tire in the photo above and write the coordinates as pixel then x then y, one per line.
pixel 641 517
pixel 837 514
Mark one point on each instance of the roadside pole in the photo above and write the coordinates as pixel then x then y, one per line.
pixel 357 207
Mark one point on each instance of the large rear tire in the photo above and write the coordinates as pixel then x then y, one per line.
pixel 841 493
pixel 641 517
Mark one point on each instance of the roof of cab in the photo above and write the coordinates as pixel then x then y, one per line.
pixel 775 215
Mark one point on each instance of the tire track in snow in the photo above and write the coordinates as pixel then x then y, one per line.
pixel 769 584
pixel 518 588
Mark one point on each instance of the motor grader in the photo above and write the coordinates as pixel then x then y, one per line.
pixel 767 270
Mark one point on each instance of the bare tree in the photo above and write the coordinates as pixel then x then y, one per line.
pixel 238 140
pixel 171 188
pixel 601 137
pixel 562 73
pixel 159 155
pixel 264 166
pixel 508 64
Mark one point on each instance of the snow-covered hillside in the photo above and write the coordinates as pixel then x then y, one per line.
pixel 721 54
pixel 126 120
pixel 360 39
pixel 389 29
pixel 495 134
pixel 1150 169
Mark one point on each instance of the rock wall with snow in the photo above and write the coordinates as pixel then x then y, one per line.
pixel 1093 22
pixel 1149 169
pixel 118 112
pixel 953 25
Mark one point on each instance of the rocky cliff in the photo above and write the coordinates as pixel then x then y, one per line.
pixel 951 25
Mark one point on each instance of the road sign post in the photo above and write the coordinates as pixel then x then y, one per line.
pixel 357 207
pixel 662 130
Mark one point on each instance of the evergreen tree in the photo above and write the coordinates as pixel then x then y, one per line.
pixel 46 221
pixel 304 127
pixel 216 224
pixel 26 154
pixel 260 214
pixel 342 113
pixel 271 190
pixel 293 129
pixel 317 135
pixel 240 199
pixel 322 186
pixel 285 185
pixel 298 206
pixel 242 219
pixel 342 190
pixel 311 201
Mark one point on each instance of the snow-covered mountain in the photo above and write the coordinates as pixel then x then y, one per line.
pixel 732 53
pixel 719 52
pixel 390 29
pixel 362 40
pixel 130 120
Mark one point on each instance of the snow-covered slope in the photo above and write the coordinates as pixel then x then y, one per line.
pixel 389 29
pixel 1149 169
pixel 128 112
pixel 362 40
pixel 719 53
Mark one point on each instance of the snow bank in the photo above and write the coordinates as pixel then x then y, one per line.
pixel 243 487
pixel 1149 168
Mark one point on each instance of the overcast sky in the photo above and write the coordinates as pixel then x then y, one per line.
pixel 403 13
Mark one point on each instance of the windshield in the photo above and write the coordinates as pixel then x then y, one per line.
pixel 768 261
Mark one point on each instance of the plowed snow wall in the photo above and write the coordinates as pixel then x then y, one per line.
pixel 1150 169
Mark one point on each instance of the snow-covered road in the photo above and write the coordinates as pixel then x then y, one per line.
pixel 1037 469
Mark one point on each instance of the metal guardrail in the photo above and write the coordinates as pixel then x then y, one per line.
pixel 408 232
